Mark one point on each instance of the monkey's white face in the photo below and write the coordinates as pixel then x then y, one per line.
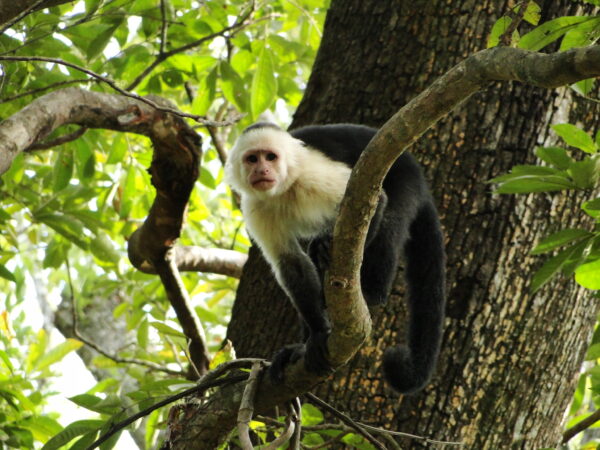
pixel 264 163
pixel 263 169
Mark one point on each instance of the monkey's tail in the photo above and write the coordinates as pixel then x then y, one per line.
pixel 408 367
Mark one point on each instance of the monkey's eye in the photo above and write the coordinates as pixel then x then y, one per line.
pixel 271 156
pixel 251 159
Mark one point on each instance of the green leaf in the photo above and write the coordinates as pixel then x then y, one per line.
pixel 593 352
pixel 533 13
pixel 584 87
pixel 588 275
pixel 72 431
pixel 66 226
pixel 206 93
pixel 166 329
pixel 575 137
pixel 103 249
pixel 207 179
pixel 527 184
pixel 232 86
pixel 85 441
pixel 56 252
pixel 37 348
pixel 556 156
pixel 584 173
pixel 559 239
pixel 42 427
pixel 118 149
pixel 264 84
pixel 592 207
pixel 63 170
pixel 311 415
pixel 142 334
pixel 7 274
pixel 57 353
pixel 109 405
pixel 550 31
pixel 553 265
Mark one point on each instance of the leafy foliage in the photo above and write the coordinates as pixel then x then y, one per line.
pixel 560 171
pixel 67 213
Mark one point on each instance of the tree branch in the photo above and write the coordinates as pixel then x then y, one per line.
pixel 210 260
pixel 581 426
pixel 166 268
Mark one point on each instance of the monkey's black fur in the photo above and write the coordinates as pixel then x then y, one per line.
pixel 405 225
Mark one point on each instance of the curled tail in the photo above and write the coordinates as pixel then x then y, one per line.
pixel 408 368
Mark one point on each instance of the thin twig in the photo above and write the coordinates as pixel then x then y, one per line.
pixel 506 37
pixel 580 426
pixel 290 422
pixel 408 435
pixel 58 141
pixel 297 437
pixel 166 268
pixel 121 91
pixel 347 420
pixel 247 407
pixel 96 347
pixel 163 27
pixel 218 143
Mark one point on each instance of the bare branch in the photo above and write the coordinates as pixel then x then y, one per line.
pixel 247 407
pixel 404 128
pixel 179 299
pixel 209 260
pixel 163 27
pixel 58 141
pixel 290 428
pixel 581 426
pixel 506 37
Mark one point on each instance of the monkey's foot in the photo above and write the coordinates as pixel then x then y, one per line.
pixel 315 355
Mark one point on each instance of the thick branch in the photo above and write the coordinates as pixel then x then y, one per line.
pixel 70 106
pixel 349 317
pixel 406 126
pixel 198 259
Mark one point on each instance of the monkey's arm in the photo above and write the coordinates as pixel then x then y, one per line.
pixel 302 283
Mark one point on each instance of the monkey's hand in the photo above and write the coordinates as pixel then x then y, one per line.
pixel 315 355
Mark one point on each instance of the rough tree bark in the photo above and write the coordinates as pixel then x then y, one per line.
pixel 509 360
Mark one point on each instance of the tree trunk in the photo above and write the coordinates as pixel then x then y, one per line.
pixel 510 360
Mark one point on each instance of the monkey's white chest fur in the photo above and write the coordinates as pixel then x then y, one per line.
pixel 303 211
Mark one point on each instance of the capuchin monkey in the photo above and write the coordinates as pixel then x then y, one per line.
pixel 291 185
